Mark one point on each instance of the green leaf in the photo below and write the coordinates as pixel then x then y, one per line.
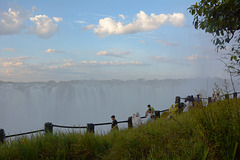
pixel 193 11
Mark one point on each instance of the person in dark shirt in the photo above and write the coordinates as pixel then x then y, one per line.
pixel 114 123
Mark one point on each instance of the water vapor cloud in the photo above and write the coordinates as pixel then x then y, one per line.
pixel 141 23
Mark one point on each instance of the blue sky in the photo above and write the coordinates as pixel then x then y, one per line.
pixel 74 40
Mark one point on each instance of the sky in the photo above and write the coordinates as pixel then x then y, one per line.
pixel 122 39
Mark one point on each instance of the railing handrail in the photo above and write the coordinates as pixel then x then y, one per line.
pixel 25 133
pixel 62 126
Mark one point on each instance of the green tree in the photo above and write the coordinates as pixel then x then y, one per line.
pixel 221 18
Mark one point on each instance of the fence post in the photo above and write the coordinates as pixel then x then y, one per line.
pixel 235 95
pixel 226 96
pixel 48 127
pixel 177 101
pixel 130 125
pixel 209 100
pixel 157 114
pixel 90 127
pixel 2 135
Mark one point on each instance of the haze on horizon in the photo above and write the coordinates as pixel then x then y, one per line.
pixel 126 40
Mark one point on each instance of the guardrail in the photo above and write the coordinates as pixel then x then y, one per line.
pixel 48 126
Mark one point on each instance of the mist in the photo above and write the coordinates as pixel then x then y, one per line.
pixel 27 106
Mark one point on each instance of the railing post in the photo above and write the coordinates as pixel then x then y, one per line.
pixel 235 95
pixel 90 127
pixel 177 100
pixel 2 135
pixel 130 125
pixel 226 96
pixel 209 100
pixel 48 127
pixel 157 114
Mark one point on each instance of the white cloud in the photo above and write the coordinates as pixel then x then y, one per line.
pixel 81 22
pixel 192 57
pixel 13 62
pixel 12 22
pixel 88 27
pixel 44 26
pixel 111 63
pixel 196 57
pixel 113 53
pixel 177 19
pixel 57 19
pixel 15 67
pixel 70 64
pixel 167 43
pixel 122 16
pixel 9 50
pixel 142 23
pixel 9 64
pixel 53 51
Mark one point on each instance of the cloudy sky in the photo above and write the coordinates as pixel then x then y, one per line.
pixel 121 39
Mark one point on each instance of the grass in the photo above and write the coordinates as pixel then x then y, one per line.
pixel 211 132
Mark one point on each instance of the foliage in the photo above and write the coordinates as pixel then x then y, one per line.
pixel 222 19
pixel 211 132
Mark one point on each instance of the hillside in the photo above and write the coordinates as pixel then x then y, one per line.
pixel 211 132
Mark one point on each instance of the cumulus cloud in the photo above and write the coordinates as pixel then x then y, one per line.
pixel 13 61
pixel 57 19
pixel 9 50
pixel 113 53
pixel 53 51
pixel 88 27
pixel 177 19
pixel 15 66
pixel 142 23
pixel 9 64
pixel 122 16
pixel 167 43
pixel 12 22
pixel 44 26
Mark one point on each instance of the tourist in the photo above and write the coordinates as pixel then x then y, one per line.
pixel 136 120
pixel 148 116
pixel 114 123
pixel 198 100
pixel 151 111
pixel 188 104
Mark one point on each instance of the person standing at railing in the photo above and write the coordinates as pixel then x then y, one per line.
pixel 199 100
pixel 151 111
pixel 136 120
pixel 188 104
pixel 114 123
